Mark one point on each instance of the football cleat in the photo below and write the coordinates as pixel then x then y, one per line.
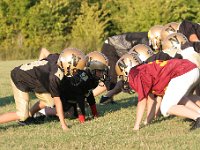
pixel 105 100
pixel 29 121
pixel 196 124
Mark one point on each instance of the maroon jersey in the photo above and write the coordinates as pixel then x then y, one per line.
pixel 155 76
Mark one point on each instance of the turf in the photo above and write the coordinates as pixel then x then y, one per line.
pixel 112 130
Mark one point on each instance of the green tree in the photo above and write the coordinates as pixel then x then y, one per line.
pixel 88 29
pixel 140 15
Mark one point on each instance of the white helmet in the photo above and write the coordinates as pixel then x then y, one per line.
pixel 97 61
pixel 142 51
pixel 154 36
pixel 71 59
pixel 174 41
pixel 168 29
pixel 124 64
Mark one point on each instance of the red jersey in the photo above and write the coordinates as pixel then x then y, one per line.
pixel 155 76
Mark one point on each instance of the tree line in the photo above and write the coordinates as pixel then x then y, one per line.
pixel 28 25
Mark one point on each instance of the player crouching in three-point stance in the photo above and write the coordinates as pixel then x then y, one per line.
pixel 42 77
pixel 172 79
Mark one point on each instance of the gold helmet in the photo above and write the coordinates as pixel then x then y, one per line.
pixel 124 64
pixel 97 61
pixel 142 51
pixel 174 41
pixel 71 59
pixel 154 36
pixel 168 29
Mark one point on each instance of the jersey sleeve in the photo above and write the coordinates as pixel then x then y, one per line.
pixel 187 28
pixel 158 56
pixel 81 104
pixel 52 57
pixel 54 86
pixel 140 83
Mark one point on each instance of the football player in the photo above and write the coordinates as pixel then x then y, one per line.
pixel 113 48
pixel 42 77
pixel 189 29
pixel 167 79
pixel 75 89
pixel 143 52
pixel 116 46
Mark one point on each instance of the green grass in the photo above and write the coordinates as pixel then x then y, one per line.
pixel 112 130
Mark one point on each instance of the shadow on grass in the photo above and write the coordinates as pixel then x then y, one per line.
pixel 10 99
pixel 123 103
pixel 161 119
pixel 6 100
pixel 102 109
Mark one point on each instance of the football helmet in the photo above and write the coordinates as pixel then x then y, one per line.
pixel 174 41
pixel 70 60
pixel 154 36
pixel 124 64
pixel 168 29
pixel 97 61
pixel 142 51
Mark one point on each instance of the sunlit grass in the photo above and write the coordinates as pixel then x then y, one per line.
pixel 112 130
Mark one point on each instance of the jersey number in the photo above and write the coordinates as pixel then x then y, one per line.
pixel 30 66
pixel 161 63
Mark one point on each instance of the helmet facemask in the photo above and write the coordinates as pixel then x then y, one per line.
pixel 123 66
pixel 97 64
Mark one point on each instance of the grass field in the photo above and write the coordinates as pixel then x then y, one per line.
pixel 112 130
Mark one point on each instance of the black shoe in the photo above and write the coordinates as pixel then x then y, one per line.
pixel 196 124
pixel 105 100
pixel 39 117
pixel 28 121
pixel 38 114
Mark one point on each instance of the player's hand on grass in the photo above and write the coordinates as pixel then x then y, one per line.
pixel 65 128
pixel 136 128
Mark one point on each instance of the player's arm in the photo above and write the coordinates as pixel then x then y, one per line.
pixel 60 113
pixel 151 108
pixel 139 114
pixel 81 108
pixel 55 93
pixel 92 103
pixel 43 53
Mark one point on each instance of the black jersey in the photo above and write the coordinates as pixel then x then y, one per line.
pixel 187 28
pixel 75 89
pixel 124 42
pixel 116 46
pixel 41 76
pixel 162 56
